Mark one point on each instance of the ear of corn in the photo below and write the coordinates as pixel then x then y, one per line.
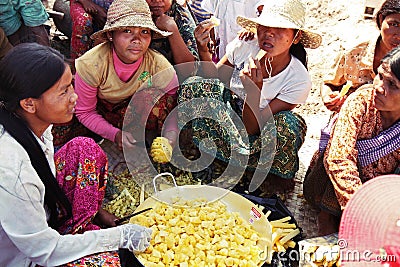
pixel 345 88
pixel 161 150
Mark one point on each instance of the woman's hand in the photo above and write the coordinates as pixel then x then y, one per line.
pixel 202 35
pixel 100 16
pixel 245 35
pixel 104 219
pixel 124 139
pixel 333 101
pixel 252 72
pixel 166 23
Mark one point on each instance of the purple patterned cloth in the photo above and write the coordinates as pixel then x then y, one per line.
pixel 369 150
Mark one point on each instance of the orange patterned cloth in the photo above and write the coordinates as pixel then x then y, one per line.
pixel 354 65
pixel 358 119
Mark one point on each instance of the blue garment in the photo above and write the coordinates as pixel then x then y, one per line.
pixel 14 13
pixel 199 12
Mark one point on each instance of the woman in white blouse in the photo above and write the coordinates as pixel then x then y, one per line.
pixel 35 92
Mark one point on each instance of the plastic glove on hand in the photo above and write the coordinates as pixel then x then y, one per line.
pixel 134 237
pixel 161 150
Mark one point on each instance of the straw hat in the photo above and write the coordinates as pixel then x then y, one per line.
pixel 283 14
pixel 370 224
pixel 129 13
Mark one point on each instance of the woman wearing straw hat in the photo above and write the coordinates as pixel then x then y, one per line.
pixel 110 74
pixel 180 46
pixel 364 143
pixel 282 80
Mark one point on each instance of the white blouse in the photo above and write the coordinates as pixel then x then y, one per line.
pixel 292 85
pixel 25 237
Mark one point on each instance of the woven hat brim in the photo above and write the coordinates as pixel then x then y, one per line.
pixel 369 219
pixel 130 21
pixel 309 39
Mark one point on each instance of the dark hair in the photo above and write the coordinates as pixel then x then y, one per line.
pixel 28 70
pixel 388 7
pixel 299 52
pixel 393 60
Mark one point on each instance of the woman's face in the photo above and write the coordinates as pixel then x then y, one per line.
pixel 387 90
pixel 57 105
pixel 131 43
pixel 159 7
pixel 390 31
pixel 275 41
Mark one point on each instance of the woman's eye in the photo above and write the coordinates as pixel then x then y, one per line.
pixel 145 31
pixel 127 31
pixel 393 24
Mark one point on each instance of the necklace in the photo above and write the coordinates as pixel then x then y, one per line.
pixel 268 68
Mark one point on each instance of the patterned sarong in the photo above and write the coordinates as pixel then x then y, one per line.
pixel 82 168
pixel 280 139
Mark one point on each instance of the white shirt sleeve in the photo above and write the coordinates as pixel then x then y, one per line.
pixel 25 234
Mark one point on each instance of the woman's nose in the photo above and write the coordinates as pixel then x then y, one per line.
pixel 379 86
pixel 73 97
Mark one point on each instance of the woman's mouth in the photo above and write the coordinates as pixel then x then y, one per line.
pixel 267 45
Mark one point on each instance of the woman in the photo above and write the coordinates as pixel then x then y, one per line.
pixel 41 193
pixel 282 83
pixel 88 16
pixel 359 65
pixel 122 70
pixel 180 46
pixel 364 144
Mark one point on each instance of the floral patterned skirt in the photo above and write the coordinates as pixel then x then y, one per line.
pixel 82 167
pixel 213 115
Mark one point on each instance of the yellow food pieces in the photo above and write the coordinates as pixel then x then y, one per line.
pixel 282 234
pixel 161 150
pixel 199 235
pixel 215 21
pixel 123 205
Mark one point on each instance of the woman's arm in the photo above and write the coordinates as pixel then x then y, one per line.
pixel 86 113
pixel 341 154
pixel 23 218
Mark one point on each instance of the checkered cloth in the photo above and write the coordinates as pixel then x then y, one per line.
pixel 369 150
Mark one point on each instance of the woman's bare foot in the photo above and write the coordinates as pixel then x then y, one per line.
pixel 327 223
pixel 275 184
